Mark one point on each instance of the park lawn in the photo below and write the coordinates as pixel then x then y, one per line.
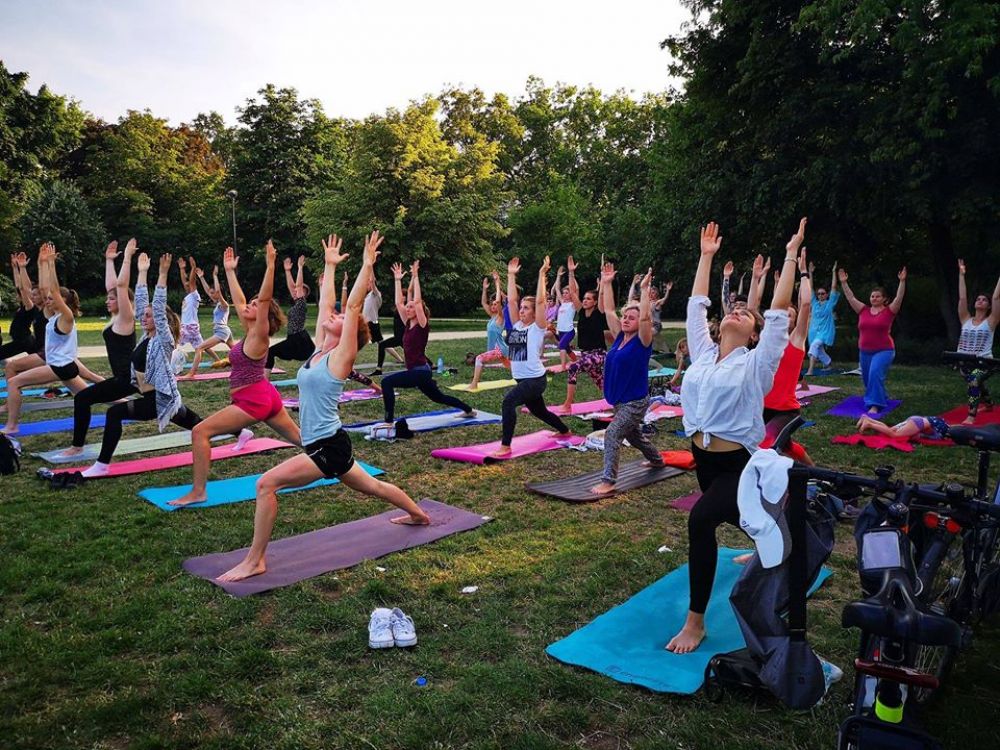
pixel 107 643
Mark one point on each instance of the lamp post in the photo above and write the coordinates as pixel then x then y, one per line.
pixel 232 197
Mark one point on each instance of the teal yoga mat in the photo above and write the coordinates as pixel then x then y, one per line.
pixel 235 490
pixel 626 643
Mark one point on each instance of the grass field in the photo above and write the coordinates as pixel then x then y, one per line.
pixel 106 643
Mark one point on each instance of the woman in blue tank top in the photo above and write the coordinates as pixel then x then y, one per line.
pixel 496 344
pixel 327 447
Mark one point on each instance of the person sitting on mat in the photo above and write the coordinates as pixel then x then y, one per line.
pixel 875 344
pixel 496 345
pixel 723 401
pixel 254 398
pixel 934 428
pixel 62 308
pixel 626 386
pixel 119 340
pixel 151 372
pixel 326 446
pixel 416 316
pixel 525 341
pixel 822 331
pixel 976 338
pixel 221 332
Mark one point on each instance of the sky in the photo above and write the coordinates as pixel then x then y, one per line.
pixel 181 57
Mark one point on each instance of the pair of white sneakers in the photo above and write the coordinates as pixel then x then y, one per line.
pixel 391 627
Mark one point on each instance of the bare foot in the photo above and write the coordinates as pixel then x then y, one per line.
pixel 503 451
pixel 743 559
pixel 422 520
pixel 862 424
pixel 471 414
pixel 969 420
pixel 71 451
pixel 808 374
pixel 472 387
pixel 245 569
pixel 190 498
pixel 604 488
pixel 9 429
pixel 686 641
pixel 563 408
pixel 873 410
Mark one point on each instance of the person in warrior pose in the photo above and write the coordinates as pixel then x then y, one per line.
pixel 976 338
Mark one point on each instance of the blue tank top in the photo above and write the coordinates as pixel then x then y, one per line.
pixel 625 370
pixel 319 400
pixel 220 316
pixel 494 337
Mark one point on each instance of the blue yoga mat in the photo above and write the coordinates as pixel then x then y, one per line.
pixel 33 391
pixel 284 383
pixel 432 420
pixel 57 425
pixel 235 490
pixel 626 643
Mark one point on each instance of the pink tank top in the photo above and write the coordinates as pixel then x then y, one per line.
pixel 245 371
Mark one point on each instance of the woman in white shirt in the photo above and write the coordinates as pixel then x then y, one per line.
pixel 723 400
pixel 976 338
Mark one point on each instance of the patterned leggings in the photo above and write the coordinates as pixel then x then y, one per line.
pixel 627 425
pixel 493 355
pixel 592 363
pixel 975 378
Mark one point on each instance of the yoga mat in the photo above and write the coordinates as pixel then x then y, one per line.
pixel 284 383
pixel 432 420
pixel 626 643
pixel 959 413
pixel 584 407
pixel 854 407
pixel 484 385
pixel 577 489
pixel 663 372
pixel 358 394
pixel 523 445
pixel 235 490
pixel 878 442
pixel 25 392
pixel 297 558
pixel 47 405
pixel 217 376
pixel 824 372
pixel 58 425
pixel 126 447
pixel 687 502
pixel 176 460
pixel 662 411
pixel 811 391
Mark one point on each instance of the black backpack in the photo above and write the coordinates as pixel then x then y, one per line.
pixel 10 455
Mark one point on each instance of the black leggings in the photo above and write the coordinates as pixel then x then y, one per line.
pixel 296 348
pixel 719 478
pixel 528 392
pixel 418 377
pixel 385 344
pixel 140 410
pixel 104 392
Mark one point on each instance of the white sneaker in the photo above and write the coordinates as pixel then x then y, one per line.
pixel 380 629
pixel 403 632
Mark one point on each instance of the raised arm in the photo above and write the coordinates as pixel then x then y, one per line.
pixel 633 292
pixel 540 302
pixel 141 286
pixel 125 320
pixel 666 295
pixel 608 292
pixel 833 279
pixel 963 295
pixel 418 300
pixel 995 306
pixel 801 331
pixel 192 284
pixel 204 284
pixel 258 336
pixel 727 275
pixel 160 304
pixel 289 281
pixel 513 302
pixel 574 288
pixel 498 295
pixel 22 283
pixel 110 275
pixel 397 276
pixel 230 260
pixel 341 362
pixel 332 257
pixel 897 301
pixel 758 279
pixel 484 301
pixel 557 284
pixel 645 318
pixel 711 241
pixel 343 294
pixel 853 301
pixel 789 270
pixel 47 261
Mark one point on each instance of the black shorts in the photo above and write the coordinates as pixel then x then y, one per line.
pixel 65 372
pixel 375 331
pixel 333 455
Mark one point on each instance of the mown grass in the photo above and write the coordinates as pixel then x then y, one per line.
pixel 106 643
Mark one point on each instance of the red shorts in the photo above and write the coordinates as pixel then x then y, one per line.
pixel 260 400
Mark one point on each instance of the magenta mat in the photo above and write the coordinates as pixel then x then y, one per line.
pixel 687 502
pixel 584 407
pixel 176 460
pixel 358 394
pixel 523 445
pixel 297 558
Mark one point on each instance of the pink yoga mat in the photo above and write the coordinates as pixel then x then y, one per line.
pixel 878 442
pixel 586 407
pixel 813 390
pixel 523 445
pixel 176 460
pixel 217 375
pixel 687 502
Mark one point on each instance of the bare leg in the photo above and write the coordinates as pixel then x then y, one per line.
pixel 567 405
pixel 34 376
pixel 198 352
pixel 285 426
pixel 15 367
pixel 690 636
pixel 476 374
pixel 395 354
pixel 361 481
pixel 227 421
pixel 87 374
pixel 812 366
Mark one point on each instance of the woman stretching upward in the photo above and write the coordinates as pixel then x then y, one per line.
pixel 417 374
pixel 822 331
pixel 62 307
pixel 254 399
pixel 496 346
pixel 525 340
pixel 221 332
pixel 151 374
pixel 119 340
pixel 593 322
pixel 190 325
pixel 298 345
pixel 28 318
pixel 326 446
pixel 976 338
pixel 723 399
pixel 626 386
pixel 875 343
pixel 569 303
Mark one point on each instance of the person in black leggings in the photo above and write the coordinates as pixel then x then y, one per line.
pixel 398 329
pixel 298 344
pixel 27 328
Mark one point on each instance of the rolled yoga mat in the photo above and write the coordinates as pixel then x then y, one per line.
pixel 126 447
pixel 297 558
pixel 523 445
pixel 235 490
pixel 432 420
pixel 484 385
pixel 177 460
pixel 854 407
pixel 577 489
pixel 627 642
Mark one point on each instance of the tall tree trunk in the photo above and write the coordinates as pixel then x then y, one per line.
pixel 946 266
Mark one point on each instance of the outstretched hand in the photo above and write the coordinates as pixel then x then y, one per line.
pixel 287 264
pixel 397 271
pixel 514 265
pixel 165 260
pixel 902 274
pixel 372 243
pixel 571 264
pixel 802 261
pixel 727 270
pixel 711 240
pixel 143 262
pixel 112 250
pixel 798 238
pixel 758 267
pixel 608 273
pixel 842 276
pixel 546 265
pixel 961 266
pixel 130 247
pixel 302 261
pixel 415 268
pixel 230 260
pixel 331 250
pixel 270 253
pixel 646 280
pixel 486 283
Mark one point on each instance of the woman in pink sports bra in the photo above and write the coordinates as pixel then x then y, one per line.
pixel 254 399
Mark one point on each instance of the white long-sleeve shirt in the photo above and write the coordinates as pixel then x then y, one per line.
pixel 725 398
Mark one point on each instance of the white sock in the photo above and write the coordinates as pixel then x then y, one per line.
pixel 245 437
pixel 97 470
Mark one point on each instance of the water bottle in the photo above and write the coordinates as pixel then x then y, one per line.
pixel 440 367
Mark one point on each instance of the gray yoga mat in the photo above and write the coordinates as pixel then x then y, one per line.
pixel 61 403
pixel 577 489
pixel 125 447
pixel 297 558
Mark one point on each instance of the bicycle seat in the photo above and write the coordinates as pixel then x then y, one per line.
pixel 986 437
pixel 893 613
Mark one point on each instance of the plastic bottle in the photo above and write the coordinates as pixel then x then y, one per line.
pixel 440 366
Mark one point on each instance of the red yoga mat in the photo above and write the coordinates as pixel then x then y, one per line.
pixel 959 413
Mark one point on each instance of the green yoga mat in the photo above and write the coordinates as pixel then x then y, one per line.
pixel 125 447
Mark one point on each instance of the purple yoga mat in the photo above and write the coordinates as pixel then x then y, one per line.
pixel 687 502
pixel 296 558
pixel 523 445
pixel 358 394
pixel 854 407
